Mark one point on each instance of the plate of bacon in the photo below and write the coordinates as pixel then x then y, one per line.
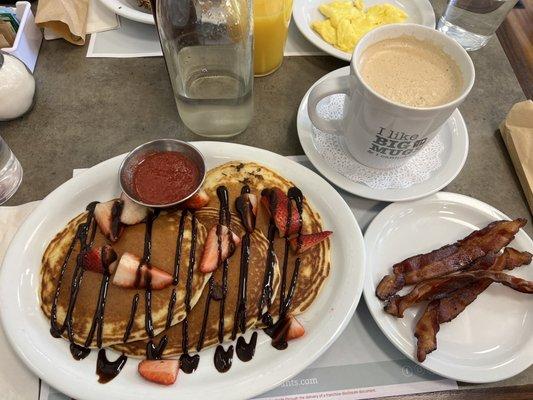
pixel 449 282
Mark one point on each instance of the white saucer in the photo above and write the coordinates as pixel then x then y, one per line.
pixel 306 11
pixel 491 339
pixel 455 140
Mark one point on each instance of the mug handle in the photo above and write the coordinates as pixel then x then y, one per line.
pixel 337 85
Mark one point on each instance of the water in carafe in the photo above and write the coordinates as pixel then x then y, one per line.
pixel 208 51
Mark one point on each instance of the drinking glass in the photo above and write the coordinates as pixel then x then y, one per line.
pixel 207 45
pixel 10 172
pixel 473 22
pixel 271 24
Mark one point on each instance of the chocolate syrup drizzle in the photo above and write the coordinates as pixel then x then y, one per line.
pixel 278 331
pixel 245 351
pixel 134 305
pixel 266 294
pixel 170 310
pixel 107 370
pixel 188 363
pixel 145 260
pixel 155 352
pixel 85 234
pixel 81 236
pixel 223 358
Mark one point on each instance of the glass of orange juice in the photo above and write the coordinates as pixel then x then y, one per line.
pixel 271 23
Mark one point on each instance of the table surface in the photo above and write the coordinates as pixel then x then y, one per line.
pixel 89 110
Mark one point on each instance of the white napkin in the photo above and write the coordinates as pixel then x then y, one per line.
pixel 16 381
pixel 99 19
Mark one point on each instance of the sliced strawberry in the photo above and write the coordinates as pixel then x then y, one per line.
pixel 210 256
pixel 277 203
pixel 163 372
pixel 126 274
pixel 253 201
pixel 246 205
pixel 132 212
pixel 308 241
pixel 98 259
pixel 295 330
pixel 107 217
pixel 113 267
pixel 198 200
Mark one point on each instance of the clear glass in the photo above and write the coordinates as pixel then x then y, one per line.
pixel 207 46
pixel 473 22
pixel 10 172
pixel 271 24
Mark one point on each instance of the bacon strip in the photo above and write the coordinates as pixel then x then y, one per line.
pixel 450 258
pixel 446 309
pixel 438 288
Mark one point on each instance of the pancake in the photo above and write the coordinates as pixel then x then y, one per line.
pixel 315 263
pixel 118 305
pixel 258 251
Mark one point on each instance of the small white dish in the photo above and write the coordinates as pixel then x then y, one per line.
pixel 455 140
pixel 306 11
pixel 129 9
pixel 27 329
pixel 491 339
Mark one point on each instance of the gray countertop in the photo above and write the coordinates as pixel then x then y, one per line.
pixel 89 110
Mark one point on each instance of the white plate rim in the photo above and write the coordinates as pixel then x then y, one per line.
pixel 128 12
pixel 449 170
pixel 428 14
pixel 45 368
pixel 375 306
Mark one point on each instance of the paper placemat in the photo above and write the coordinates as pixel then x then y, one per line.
pixel 135 39
pixel 361 364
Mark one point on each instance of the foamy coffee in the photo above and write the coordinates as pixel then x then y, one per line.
pixel 412 72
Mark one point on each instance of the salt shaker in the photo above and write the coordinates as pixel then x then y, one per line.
pixel 17 87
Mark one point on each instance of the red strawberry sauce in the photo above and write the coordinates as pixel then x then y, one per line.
pixel 165 177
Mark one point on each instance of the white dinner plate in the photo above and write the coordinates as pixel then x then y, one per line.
pixel 306 11
pixel 454 136
pixel 491 339
pixel 28 330
pixel 130 9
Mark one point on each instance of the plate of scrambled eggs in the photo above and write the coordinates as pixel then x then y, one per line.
pixel 336 26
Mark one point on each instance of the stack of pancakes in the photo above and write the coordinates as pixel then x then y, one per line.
pixel 314 269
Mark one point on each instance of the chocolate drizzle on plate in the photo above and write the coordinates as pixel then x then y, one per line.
pixel 85 234
pixel 108 370
pixel 188 363
pixel 278 331
pixel 77 276
pixel 223 358
pixel 245 351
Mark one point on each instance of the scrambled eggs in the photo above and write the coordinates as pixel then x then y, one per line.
pixel 348 21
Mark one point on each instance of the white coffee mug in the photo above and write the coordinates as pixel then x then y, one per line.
pixel 379 132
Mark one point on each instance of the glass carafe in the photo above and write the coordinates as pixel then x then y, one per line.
pixel 207 45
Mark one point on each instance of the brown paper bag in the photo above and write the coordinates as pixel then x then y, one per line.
pixel 517 133
pixel 67 18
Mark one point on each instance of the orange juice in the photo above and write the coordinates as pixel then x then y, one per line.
pixel 271 22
